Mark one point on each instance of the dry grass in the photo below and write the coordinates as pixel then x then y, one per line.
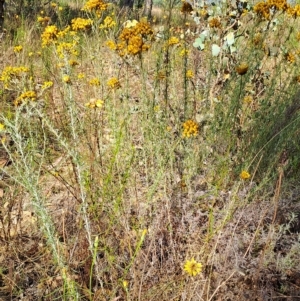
pixel 108 203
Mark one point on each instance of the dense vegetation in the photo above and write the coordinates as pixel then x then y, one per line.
pixel 150 159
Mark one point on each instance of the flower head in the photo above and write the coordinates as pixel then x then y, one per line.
pixel 18 48
pixel 94 82
pixel 186 8
pixel 47 85
pixel 113 83
pixel 244 175
pixel 189 74
pixel 81 24
pixel 173 41
pixel 24 97
pixel 242 68
pixel 108 23
pixel 66 79
pixel 49 35
pixel 190 128
pixel 192 267
pixel 94 103
pixel 10 72
pixel 98 6
pixel 214 23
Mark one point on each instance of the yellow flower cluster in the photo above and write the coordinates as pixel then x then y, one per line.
pixel 113 83
pixel 214 23
pixel 244 175
pixel 81 24
pixel 73 63
pixel 98 6
pixel 27 95
pixel 242 68
pixel 186 7
pixel 263 9
pixel 190 128
pixel 94 82
pixel 133 39
pixel 43 20
pixel 294 11
pixel 184 52
pixel 49 35
pixel 290 57
pixel 66 48
pixel 108 23
pixel 11 72
pixel 61 34
pixel 94 103
pixel 80 75
pixel 66 79
pixel 189 74
pixel 161 75
pixel 111 45
pixel 18 48
pixel 192 267
pixel 47 85
pixel 173 41
pixel 248 99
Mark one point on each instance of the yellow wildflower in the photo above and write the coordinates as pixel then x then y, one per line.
pixel 189 74
pixel 81 75
pixel 27 95
pixel 186 8
pixel 113 83
pixel 192 267
pixel 94 82
pixel 73 63
pixel 242 68
pixel 111 44
pixel 244 175
pixel 94 103
pixel 125 284
pixel 47 85
pixel 64 32
pixel 2 127
pixel 108 23
pixel 248 99
pixel 68 48
pixel 214 23
pixel 49 35
pixel 290 57
pixel 81 24
pixel 10 73
pixel 66 79
pixel 190 128
pixel 262 9
pixel 184 52
pixel 18 48
pixel 173 41
pixel 98 6
pixel 43 20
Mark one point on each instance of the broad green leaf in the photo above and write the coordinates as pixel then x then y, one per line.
pixel 199 43
pixel 232 49
pixel 215 50
pixel 230 38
